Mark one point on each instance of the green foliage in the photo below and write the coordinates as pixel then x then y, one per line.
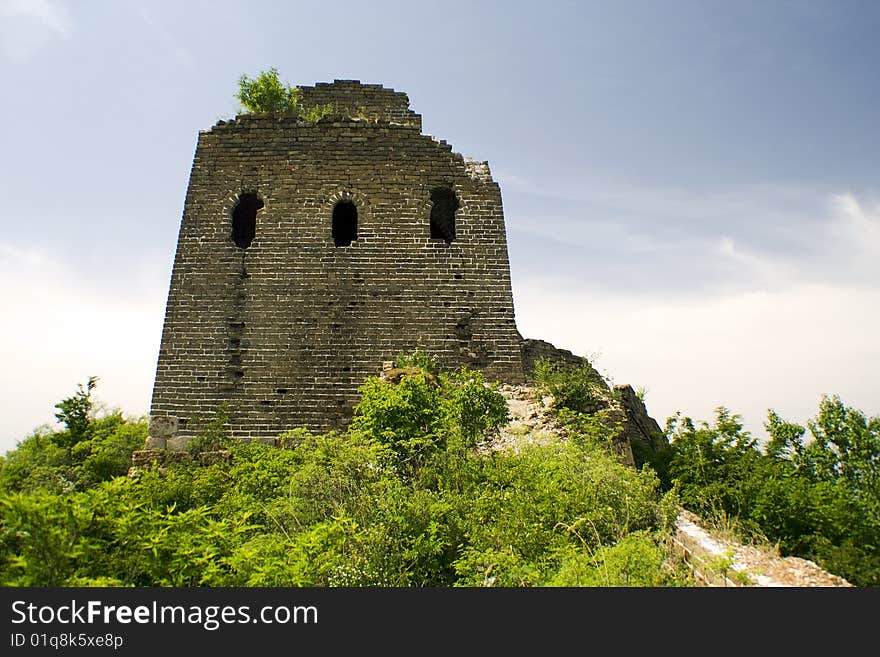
pixel 635 560
pixel 573 388
pixel 423 414
pixel 420 360
pixel 817 498
pixel 315 113
pixel 75 412
pixel 525 512
pixel 87 451
pixel 267 94
pixel 408 417
pixel 404 498
pixel 400 499
pixel 474 407
pixel 580 400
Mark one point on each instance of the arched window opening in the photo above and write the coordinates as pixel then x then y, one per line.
pixel 244 219
pixel 444 203
pixel 345 223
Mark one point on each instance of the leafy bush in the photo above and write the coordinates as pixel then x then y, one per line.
pixel 423 414
pixel 525 512
pixel 818 499
pixel 573 388
pixel 420 360
pixel 475 408
pixel 408 417
pixel 87 451
pixel 266 93
pixel 76 414
pixel 635 560
pixel 315 113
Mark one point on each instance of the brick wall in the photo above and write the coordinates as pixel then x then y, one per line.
pixel 535 350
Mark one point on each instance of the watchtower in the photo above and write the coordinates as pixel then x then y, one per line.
pixel 309 253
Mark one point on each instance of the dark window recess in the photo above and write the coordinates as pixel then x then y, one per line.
pixel 444 204
pixel 345 223
pixel 244 220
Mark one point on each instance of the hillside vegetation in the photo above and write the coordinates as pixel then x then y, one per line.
pixel 410 495
pixel 402 498
pixel 812 495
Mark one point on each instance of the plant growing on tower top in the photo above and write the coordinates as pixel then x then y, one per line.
pixel 267 94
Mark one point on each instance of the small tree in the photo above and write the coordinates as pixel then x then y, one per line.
pixel 76 414
pixel 266 93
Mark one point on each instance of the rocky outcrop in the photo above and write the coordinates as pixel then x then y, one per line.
pixel 642 432
pixel 533 421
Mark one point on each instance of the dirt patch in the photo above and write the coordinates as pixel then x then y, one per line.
pixel 530 421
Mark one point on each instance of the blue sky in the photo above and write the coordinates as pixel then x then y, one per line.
pixel 691 189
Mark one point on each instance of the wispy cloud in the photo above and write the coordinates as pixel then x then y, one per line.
pixel 28 25
pixel 692 242
pixel 854 233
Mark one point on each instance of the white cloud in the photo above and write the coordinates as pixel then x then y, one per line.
pixel 855 231
pixel 747 351
pixel 59 328
pixel 28 25
pixel 751 268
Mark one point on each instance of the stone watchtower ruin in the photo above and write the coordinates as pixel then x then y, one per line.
pixel 309 253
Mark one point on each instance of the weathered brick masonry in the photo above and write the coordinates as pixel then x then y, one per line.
pixel 277 320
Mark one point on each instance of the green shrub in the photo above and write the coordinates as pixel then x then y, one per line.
pixel 267 94
pixel 475 407
pixel 88 450
pixel 315 113
pixel 420 360
pixel 407 416
pixel 573 388
pixel 635 560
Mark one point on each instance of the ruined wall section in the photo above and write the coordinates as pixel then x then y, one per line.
pixel 287 329
pixel 367 101
pixel 535 350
